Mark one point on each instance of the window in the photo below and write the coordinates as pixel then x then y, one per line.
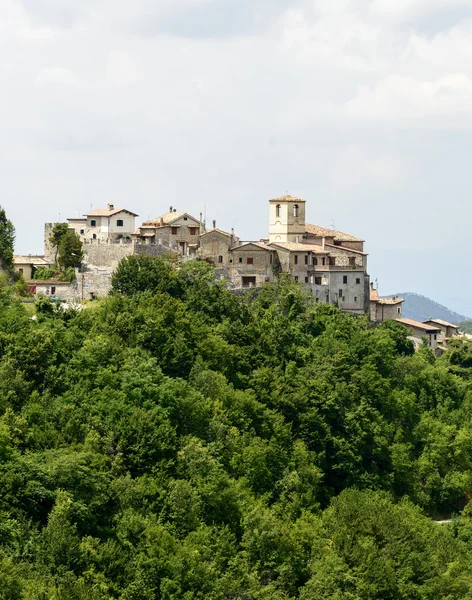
pixel 295 210
pixel 220 259
pixel 352 261
pixel 317 299
pixel 306 279
pixel 53 291
pixel 337 243
pixel 93 223
pixel 296 277
pixel 318 280
pixel 20 271
pixel 435 337
pixel 306 259
pixel 277 210
pixel 174 230
pixel 344 278
pixel 94 236
pixel 340 293
pixel 295 258
pixel 119 223
pixel 399 310
pixel 240 259
pixel 250 260
pixel 355 298
pixel 323 261
pixel 192 230
pixel 315 261
pixel 358 280
pixel 185 218
pixel 82 231
pixel 331 260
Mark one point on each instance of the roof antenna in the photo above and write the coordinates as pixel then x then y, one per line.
pixel 204 213
pixel 332 224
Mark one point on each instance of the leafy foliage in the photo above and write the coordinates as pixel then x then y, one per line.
pixel 7 241
pixel 68 246
pixel 174 441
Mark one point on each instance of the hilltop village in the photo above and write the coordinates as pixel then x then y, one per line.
pixel 332 264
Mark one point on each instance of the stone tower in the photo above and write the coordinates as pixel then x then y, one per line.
pixel 287 219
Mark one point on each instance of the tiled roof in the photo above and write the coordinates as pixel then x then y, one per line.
pixel 343 248
pixel 30 260
pixel 395 300
pixel 287 198
pixel 318 231
pixel 374 296
pixel 441 322
pixel 300 247
pixel 244 245
pixel 216 231
pixel 106 212
pixel 169 218
pixel 334 233
pixel 417 324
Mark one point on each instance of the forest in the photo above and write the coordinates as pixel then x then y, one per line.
pixel 176 441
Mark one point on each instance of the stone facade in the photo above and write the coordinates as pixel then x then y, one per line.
pixel 330 263
pixel 382 309
pixel 177 230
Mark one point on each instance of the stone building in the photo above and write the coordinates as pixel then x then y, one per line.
pixel 382 309
pixel 419 331
pixel 27 265
pixel 177 230
pixel 330 263
pixel 447 330
pixel 104 224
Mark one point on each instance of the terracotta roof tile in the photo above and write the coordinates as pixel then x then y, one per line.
pixel 416 324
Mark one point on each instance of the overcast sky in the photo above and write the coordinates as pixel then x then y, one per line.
pixel 362 107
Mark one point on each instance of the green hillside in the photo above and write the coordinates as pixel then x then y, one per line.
pixel 177 442
pixel 420 308
pixel 466 327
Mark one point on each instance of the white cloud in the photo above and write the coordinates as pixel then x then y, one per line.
pixel 158 102
pixel 400 97
pixel 56 75
pixel 122 69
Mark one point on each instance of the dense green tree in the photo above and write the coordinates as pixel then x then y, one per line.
pixel 143 273
pixel 175 440
pixel 7 241
pixel 67 245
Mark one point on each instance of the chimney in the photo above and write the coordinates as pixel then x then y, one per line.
pixel 371 285
pixel 323 242
pixel 111 207
pixel 202 226
pixel 214 224
pixel 162 222
pixel 170 208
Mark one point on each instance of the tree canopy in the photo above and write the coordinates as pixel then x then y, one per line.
pixel 176 441
pixel 7 241
pixel 68 246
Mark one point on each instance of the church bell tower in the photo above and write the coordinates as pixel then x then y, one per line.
pixel 287 219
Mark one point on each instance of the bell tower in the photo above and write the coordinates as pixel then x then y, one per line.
pixel 287 219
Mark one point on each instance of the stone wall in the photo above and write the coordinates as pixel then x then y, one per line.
pixel 49 251
pixel 98 253
pixel 215 244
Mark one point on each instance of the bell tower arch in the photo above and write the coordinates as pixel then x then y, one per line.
pixel 286 219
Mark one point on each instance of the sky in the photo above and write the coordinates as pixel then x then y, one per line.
pixel 361 107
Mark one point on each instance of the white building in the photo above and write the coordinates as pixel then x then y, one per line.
pixel 105 224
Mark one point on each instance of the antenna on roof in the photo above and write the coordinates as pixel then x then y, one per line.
pixel 332 224
pixel 204 213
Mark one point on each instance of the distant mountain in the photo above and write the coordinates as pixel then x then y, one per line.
pixel 420 308
pixel 466 327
